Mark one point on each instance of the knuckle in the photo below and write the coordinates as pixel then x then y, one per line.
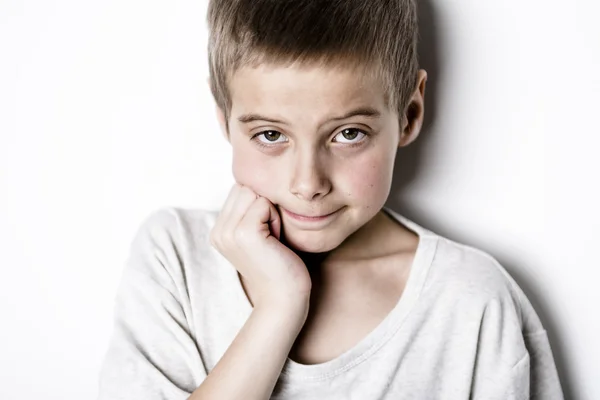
pixel 246 191
pixel 263 202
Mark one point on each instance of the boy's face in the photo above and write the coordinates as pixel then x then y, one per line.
pixel 312 162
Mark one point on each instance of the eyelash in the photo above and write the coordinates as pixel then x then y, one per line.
pixel 264 145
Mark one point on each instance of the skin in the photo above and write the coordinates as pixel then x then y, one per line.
pixel 310 167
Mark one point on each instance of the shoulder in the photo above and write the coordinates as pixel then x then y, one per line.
pixel 166 218
pixel 174 224
pixel 477 297
pixel 171 240
pixel 473 278
pixel 473 269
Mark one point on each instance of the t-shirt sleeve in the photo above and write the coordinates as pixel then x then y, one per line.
pixel 152 353
pixel 543 376
pixel 532 376
pixel 514 359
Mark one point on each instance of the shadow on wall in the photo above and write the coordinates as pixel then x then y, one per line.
pixel 409 162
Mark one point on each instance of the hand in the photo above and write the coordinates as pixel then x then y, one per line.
pixel 247 233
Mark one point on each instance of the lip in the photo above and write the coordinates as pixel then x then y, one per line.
pixel 310 219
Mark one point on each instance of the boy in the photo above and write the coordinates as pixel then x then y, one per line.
pixel 304 285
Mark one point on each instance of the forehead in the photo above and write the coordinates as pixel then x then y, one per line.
pixel 297 89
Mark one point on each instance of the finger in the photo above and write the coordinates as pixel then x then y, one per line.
pixel 244 199
pixel 261 217
pixel 229 204
pixel 225 211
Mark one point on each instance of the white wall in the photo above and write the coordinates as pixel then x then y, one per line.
pixel 105 116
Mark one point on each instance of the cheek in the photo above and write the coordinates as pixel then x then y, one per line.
pixel 253 170
pixel 369 181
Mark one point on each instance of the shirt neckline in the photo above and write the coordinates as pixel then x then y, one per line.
pixel 380 335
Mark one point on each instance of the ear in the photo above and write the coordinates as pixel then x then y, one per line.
pixel 412 120
pixel 220 117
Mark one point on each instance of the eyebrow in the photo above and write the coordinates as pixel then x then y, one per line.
pixel 368 112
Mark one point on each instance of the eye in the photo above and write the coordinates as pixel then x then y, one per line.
pixel 270 137
pixel 350 134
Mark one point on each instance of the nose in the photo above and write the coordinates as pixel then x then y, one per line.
pixel 309 178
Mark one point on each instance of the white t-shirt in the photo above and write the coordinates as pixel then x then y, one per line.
pixel 462 329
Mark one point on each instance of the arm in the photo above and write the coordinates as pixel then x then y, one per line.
pixel 153 353
pixel 251 365
pixel 247 233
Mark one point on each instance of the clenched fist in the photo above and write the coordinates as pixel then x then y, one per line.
pixel 247 233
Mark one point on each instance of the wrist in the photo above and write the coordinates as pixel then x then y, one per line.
pixel 288 309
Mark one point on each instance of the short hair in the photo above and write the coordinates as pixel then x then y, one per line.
pixel 379 37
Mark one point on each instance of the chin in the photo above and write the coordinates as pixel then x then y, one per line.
pixel 311 241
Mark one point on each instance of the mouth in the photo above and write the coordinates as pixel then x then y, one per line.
pixel 310 218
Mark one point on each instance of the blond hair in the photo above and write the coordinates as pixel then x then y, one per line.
pixel 377 36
